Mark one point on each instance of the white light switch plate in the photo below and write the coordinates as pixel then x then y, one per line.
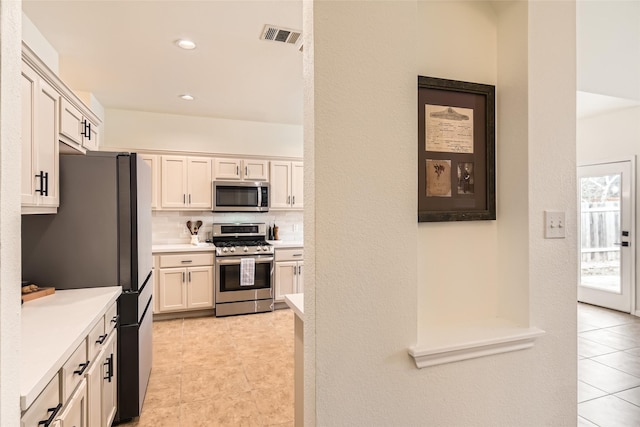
pixel 554 225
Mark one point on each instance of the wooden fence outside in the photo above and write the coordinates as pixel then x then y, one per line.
pixel 600 231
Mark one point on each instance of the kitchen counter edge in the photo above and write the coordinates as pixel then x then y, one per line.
pixel 183 247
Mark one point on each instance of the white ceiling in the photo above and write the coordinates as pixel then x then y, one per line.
pixel 124 53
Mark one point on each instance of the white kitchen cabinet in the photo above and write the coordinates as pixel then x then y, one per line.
pixel 76 129
pixel 185 288
pixel 153 161
pixel 289 278
pixel 241 169
pixel 109 365
pixel 40 178
pixel 287 181
pixel 186 183
pixel 46 406
pixel 74 413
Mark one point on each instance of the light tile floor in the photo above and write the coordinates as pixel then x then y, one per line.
pixel 608 368
pixel 229 371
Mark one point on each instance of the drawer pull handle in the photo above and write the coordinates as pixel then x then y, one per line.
pixel 101 339
pixel 115 319
pixel 83 367
pixel 186 261
pixel 54 412
pixel 297 254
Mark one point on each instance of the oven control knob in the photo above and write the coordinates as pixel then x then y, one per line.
pixel 246 249
pixel 225 250
pixel 233 249
pixel 265 248
pixel 258 249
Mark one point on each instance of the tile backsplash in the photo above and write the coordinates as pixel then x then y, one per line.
pixel 170 227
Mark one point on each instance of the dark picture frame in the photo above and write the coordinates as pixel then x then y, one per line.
pixel 456 150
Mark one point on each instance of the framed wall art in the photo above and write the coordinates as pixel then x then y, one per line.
pixel 456 150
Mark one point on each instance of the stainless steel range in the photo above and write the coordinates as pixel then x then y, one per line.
pixel 243 269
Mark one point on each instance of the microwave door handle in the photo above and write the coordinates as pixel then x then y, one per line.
pixel 259 197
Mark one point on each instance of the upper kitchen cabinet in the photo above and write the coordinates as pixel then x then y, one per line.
pixel 186 183
pixel 241 169
pixel 153 160
pixel 287 180
pixel 40 180
pixel 77 129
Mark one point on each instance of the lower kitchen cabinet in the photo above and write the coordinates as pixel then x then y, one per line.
pixel 74 413
pixel 289 278
pixel 82 393
pixel 185 288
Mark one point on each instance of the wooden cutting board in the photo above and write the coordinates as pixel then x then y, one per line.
pixel 42 292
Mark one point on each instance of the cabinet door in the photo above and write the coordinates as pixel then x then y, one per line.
pixel 280 185
pixel 297 185
pixel 174 182
pixel 200 287
pixel 152 160
pixel 109 380
pixel 199 183
pixel 47 141
pixel 227 169
pixel 300 276
pixel 28 174
pixel 94 391
pixel 256 170
pixel 74 414
pixel 285 275
pixel 173 289
pixel 71 122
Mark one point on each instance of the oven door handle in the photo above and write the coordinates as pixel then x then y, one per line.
pixel 236 260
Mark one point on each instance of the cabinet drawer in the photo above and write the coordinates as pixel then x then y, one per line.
pixel 289 254
pixel 185 260
pixel 111 318
pixel 44 406
pixel 73 370
pixel 96 339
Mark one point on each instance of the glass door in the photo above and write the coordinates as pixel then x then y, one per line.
pixel 605 206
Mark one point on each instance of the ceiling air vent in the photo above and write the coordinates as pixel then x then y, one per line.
pixel 282 35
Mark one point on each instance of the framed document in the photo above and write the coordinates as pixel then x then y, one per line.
pixel 456 150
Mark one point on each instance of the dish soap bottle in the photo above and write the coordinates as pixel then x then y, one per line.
pixel 275 232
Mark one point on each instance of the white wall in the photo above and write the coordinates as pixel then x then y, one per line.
pixel 155 131
pixel 10 153
pixel 613 136
pixel 448 278
pixel 39 44
pixel 360 302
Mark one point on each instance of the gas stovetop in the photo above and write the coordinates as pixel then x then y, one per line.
pixel 238 239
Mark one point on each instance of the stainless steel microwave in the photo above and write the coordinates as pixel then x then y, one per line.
pixel 229 196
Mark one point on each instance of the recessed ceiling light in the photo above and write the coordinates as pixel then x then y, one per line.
pixel 187 97
pixel 186 44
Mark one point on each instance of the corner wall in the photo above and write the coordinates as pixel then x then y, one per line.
pixel 360 301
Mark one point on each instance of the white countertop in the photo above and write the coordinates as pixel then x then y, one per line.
pixel 183 247
pixel 52 328
pixel 296 303
pixel 286 243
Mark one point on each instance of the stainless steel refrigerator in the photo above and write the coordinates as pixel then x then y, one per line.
pixel 101 236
